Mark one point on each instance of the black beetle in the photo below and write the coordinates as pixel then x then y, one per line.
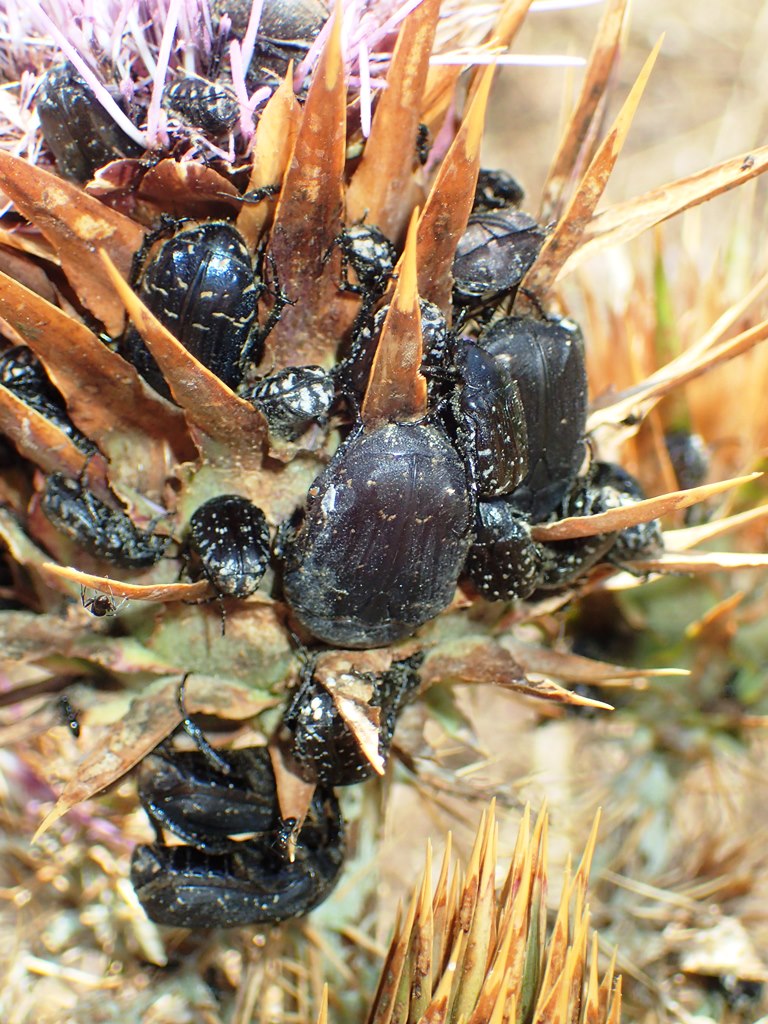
pixel 353 371
pixel 384 537
pixel 689 456
pixel 230 537
pixel 201 285
pixel 605 486
pixel 78 131
pixel 496 190
pixel 219 881
pixel 292 398
pixel 209 106
pixel 493 256
pixel 370 254
pixel 104 532
pixel 503 562
pixel 286 30
pixel 490 421
pixel 23 375
pixel 546 359
pixel 319 739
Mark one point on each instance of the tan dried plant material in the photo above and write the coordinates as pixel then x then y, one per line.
pixel 302 253
pixel 579 136
pixel 386 172
pixel 449 202
pixel 39 439
pixel 567 235
pixel 161 592
pixel 272 148
pixel 189 189
pixel 474 952
pixel 635 512
pixel 77 226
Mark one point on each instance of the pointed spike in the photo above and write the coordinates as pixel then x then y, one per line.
pixel 606 986
pixel 322 1016
pixel 272 148
pixel 442 908
pixel 589 105
pixel 421 978
pixel 302 252
pixel 397 390
pixel 391 996
pixel 581 878
pixel 591 1014
pixel 386 171
pixel 477 954
pixel 570 229
pixel 577 963
pixel 450 200
pixel 558 942
pixel 614 1014
pixel 217 411
pixel 166 593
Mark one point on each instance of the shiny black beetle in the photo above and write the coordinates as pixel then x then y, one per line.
pixel 202 285
pixel 102 531
pixel 546 360
pixel 216 880
pixel 384 537
pixel 490 420
pixel 229 535
pixel 78 131
pixel 23 375
pixel 318 738
pixel 494 254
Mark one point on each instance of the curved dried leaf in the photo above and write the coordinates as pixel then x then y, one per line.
pixel 189 189
pixel 581 124
pixel 623 221
pixel 161 592
pixel 272 147
pixel 38 438
pixel 77 226
pixel 575 668
pixel 105 396
pixel 635 512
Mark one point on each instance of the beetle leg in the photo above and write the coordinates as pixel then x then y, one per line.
pixel 196 734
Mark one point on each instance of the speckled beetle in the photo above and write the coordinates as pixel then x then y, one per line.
pixel 689 456
pixel 493 256
pixel 77 129
pixel 490 421
pixel 23 375
pixel 216 880
pixel 104 532
pixel 503 562
pixel 370 254
pixel 353 371
pixel 209 106
pixel 384 537
pixel 230 537
pixel 604 487
pixel 292 398
pixel 201 284
pixel 546 359
pixel 320 741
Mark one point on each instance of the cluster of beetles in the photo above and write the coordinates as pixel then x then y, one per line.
pixel 402 513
